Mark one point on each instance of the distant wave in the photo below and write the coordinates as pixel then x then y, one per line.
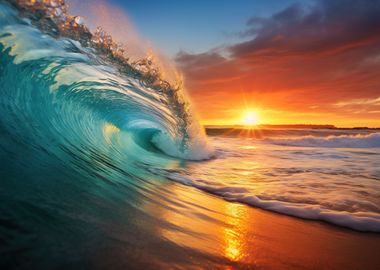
pixel 359 220
pixel 343 141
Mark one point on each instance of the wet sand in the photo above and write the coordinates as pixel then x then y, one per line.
pixel 236 236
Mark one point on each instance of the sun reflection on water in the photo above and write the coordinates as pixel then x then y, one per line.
pixel 234 235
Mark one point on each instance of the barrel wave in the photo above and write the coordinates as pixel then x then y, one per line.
pixel 60 93
pixel 78 136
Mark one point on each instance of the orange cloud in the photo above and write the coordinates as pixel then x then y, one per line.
pixel 303 60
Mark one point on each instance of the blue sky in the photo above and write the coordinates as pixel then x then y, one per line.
pixel 195 26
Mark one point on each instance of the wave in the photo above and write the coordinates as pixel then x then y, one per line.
pixel 365 221
pixel 60 74
pixel 343 141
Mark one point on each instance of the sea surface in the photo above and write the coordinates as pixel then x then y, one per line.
pixel 103 167
pixel 323 174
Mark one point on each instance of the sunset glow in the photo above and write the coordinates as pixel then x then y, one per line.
pixel 301 71
pixel 250 118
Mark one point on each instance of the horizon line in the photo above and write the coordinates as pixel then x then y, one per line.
pixel 326 126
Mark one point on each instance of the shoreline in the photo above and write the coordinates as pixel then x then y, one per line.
pixel 244 237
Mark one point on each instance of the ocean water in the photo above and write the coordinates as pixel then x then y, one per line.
pixel 101 168
pixel 329 175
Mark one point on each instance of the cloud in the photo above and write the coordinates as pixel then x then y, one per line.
pixel 306 56
pixel 197 67
pixel 328 26
pixel 375 101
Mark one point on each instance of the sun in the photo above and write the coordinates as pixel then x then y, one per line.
pixel 250 118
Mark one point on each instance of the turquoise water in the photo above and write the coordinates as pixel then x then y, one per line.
pixel 93 162
pixel 77 139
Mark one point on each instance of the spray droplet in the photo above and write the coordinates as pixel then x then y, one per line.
pixel 78 20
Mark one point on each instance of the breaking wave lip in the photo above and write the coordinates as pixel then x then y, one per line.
pixel 359 221
pixel 97 75
pixel 343 141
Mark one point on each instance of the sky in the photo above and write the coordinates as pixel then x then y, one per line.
pixel 290 62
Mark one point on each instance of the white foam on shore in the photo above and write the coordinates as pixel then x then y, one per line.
pixel 360 220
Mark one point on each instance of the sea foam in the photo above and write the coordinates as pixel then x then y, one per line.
pixel 360 220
